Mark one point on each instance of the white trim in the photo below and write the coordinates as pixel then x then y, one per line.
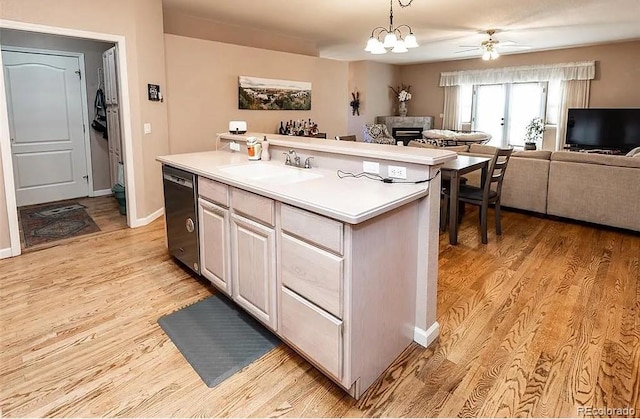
pixel 149 218
pixel 7 168
pixel 5 143
pixel 426 337
pixel 102 192
pixel 83 97
pixel 6 253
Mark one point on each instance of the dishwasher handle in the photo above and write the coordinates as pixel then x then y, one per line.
pixel 180 181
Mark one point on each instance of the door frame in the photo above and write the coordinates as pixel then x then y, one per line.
pixel 127 129
pixel 83 98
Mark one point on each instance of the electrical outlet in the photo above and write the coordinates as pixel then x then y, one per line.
pixel 234 146
pixel 371 167
pixel 398 172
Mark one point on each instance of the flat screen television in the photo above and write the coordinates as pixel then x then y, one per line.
pixel 599 128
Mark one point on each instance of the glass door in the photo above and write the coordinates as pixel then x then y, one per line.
pixel 505 110
pixel 489 105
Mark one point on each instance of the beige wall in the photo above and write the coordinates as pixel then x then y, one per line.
pixel 202 90
pixel 140 22
pixel 92 51
pixel 176 23
pixel 372 80
pixel 616 83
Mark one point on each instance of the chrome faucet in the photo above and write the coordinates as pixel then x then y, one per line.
pixel 292 159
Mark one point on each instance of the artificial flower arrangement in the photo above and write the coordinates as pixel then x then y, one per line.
pixel 402 92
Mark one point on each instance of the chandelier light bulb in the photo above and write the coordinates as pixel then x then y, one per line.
pixel 379 49
pixel 400 46
pixel 486 55
pixel 494 54
pixel 390 40
pixel 410 41
pixel 372 43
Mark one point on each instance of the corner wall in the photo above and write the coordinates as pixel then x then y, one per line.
pixel 202 90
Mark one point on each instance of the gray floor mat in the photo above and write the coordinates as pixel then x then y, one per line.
pixel 217 338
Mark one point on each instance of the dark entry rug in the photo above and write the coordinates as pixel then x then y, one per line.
pixel 50 222
pixel 217 338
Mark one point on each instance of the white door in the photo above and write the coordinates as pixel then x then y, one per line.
pixel 44 99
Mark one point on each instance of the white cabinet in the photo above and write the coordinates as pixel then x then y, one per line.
pixel 215 260
pixel 253 254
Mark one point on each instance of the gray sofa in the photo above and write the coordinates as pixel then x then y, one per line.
pixel 597 188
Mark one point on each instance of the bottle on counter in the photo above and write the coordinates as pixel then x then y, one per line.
pixel 254 148
pixel 281 130
pixel 266 155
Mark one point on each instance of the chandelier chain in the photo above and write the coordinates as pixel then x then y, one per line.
pixel 407 4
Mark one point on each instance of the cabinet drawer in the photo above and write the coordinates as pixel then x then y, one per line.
pixel 312 330
pixel 254 206
pixel 314 228
pixel 213 191
pixel 313 273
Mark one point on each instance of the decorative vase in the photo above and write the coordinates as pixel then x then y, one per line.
pixel 402 108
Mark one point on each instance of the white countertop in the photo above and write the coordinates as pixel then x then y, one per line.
pixel 349 200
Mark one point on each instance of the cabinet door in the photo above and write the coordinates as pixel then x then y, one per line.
pixel 214 245
pixel 253 268
pixel 110 76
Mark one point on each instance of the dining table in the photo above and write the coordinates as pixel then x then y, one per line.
pixel 453 170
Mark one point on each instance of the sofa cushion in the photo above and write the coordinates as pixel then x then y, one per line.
pixel 482 149
pixel 593 158
pixel 533 154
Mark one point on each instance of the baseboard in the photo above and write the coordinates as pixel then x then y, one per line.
pixel 102 192
pixel 139 222
pixel 425 337
pixel 5 253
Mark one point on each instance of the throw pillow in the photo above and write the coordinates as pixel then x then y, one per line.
pixel 634 153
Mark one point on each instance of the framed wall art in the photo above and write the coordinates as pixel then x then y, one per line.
pixel 272 94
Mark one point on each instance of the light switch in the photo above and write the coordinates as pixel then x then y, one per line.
pixel 147 128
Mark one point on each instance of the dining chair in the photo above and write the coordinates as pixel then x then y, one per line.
pixel 345 137
pixel 488 193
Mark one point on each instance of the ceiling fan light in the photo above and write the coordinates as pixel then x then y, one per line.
pixel 390 40
pixel 372 43
pixel 410 41
pixel 400 46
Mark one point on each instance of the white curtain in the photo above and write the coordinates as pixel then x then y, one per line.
pixel 451 98
pixel 584 70
pixel 575 94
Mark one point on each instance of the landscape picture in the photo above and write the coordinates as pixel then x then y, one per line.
pixel 271 94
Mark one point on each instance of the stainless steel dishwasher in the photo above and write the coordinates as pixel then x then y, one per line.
pixel 181 214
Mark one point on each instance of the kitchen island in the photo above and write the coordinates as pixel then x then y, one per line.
pixel 342 268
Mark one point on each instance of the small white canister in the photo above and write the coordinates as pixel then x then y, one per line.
pixel 254 148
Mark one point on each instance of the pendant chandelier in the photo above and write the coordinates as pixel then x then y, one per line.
pixel 383 39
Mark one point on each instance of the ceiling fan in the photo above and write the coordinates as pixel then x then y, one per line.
pixel 490 48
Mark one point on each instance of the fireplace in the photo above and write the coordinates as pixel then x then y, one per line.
pixel 406 134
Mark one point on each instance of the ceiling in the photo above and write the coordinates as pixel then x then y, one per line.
pixel 340 28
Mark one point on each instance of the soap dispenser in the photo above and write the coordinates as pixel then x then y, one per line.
pixel 265 149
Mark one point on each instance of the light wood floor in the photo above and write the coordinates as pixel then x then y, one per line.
pixel 103 210
pixel 536 323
